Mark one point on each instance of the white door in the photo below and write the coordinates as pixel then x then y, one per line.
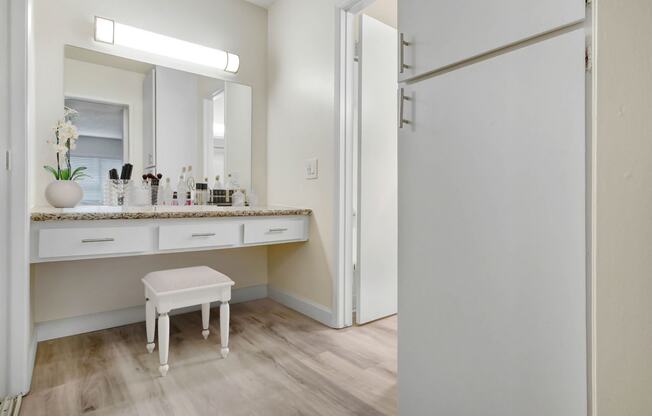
pixel 376 271
pixel 237 132
pixel 443 32
pixel 491 237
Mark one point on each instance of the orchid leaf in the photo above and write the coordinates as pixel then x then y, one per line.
pixel 65 175
pixel 78 173
pixel 52 170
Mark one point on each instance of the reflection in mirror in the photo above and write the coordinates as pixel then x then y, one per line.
pixel 156 118
pixel 103 133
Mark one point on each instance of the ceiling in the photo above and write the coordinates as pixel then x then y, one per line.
pixel 383 10
pixel 262 3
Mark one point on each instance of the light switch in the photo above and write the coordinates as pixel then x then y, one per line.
pixel 311 168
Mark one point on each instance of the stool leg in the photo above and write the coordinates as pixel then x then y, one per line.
pixel 163 342
pixel 224 328
pixel 205 318
pixel 150 322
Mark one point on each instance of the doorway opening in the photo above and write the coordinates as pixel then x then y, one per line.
pixel 371 283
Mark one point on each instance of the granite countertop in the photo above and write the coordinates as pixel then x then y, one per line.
pixel 97 212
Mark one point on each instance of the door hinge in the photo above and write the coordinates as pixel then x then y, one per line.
pixel 588 58
pixel 8 160
pixel 356 52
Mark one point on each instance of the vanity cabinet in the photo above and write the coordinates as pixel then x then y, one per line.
pixel 443 32
pixel 78 239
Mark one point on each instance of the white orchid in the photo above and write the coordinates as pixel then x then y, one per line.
pixel 65 136
pixel 69 113
pixel 66 131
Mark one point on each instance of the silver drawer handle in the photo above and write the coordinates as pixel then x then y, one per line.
pixel 402 43
pixel 401 102
pixel 203 235
pixel 97 240
pixel 277 230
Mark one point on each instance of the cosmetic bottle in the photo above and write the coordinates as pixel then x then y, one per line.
pixel 218 184
pixel 182 190
pixel 238 198
pixel 165 193
pixel 190 180
pixel 175 200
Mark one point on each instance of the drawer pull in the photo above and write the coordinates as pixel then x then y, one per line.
pixel 97 240
pixel 203 235
pixel 277 230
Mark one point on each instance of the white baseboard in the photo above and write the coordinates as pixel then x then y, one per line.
pixel 307 307
pixel 102 320
pixel 32 360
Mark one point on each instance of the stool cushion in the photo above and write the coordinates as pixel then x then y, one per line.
pixel 185 278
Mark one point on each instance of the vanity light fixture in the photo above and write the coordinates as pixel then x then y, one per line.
pixel 114 33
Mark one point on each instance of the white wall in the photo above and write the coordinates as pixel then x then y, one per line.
pixel 118 86
pixel 232 25
pixel 623 208
pixel 301 125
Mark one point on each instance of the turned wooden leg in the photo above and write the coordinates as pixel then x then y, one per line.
pixel 205 318
pixel 150 321
pixel 163 342
pixel 224 328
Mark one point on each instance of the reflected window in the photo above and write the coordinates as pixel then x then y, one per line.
pixel 101 143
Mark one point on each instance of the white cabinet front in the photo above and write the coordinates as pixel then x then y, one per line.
pixel 186 236
pixel 72 242
pixel 492 236
pixel 443 32
pixel 274 230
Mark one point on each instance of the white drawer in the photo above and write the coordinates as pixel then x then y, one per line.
pixel 268 231
pixel 73 242
pixel 171 237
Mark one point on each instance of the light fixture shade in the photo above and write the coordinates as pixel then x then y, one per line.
pixel 104 30
pixel 233 63
pixel 155 43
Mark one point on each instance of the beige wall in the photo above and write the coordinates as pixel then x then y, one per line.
pixel 72 288
pixel 623 198
pixel 384 10
pixel 301 125
pixel 78 288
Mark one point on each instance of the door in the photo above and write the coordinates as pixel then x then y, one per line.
pixel 376 269
pixel 237 133
pixel 492 237
pixel 443 32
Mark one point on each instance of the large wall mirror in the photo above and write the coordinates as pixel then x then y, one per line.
pixel 156 118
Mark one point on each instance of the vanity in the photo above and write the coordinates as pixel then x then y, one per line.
pixel 90 232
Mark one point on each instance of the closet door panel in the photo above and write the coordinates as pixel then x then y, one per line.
pixel 443 32
pixel 492 296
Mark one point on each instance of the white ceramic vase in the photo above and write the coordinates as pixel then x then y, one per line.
pixel 63 194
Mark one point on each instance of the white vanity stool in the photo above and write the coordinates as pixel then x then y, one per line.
pixel 178 288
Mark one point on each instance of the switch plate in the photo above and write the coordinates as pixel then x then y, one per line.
pixel 311 168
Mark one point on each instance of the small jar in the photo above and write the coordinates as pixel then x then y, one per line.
pixel 201 193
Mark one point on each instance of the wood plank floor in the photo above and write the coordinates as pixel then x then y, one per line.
pixel 281 363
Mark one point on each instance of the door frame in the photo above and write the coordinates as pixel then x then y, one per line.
pixel 22 342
